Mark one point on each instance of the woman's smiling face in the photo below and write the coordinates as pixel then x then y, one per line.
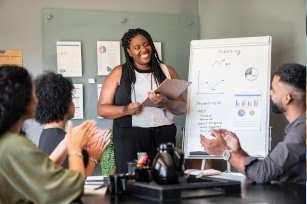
pixel 140 50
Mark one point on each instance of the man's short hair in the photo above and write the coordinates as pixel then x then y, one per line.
pixel 293 74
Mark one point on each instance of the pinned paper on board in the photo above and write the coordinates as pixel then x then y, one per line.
pixel 158 46
pixel 69 59
pixel 108 56
pixel 11 57
pixel 78 101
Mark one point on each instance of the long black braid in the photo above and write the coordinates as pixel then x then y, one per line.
pixel 156 70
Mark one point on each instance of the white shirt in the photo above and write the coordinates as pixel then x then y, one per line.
pixel 149 116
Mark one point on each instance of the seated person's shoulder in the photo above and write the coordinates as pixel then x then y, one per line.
pixel 9 138
pixel 14 144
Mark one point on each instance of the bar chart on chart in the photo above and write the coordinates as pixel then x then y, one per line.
pixel 246 113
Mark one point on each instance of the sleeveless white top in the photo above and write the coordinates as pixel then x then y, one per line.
pixel 149 116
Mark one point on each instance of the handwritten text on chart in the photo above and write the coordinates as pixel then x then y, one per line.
pixel 206 120
pixel 229 51
pixel 206 124
pixel 209 103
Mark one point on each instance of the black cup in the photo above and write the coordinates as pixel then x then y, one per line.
pixel 143 174
pixel 117 184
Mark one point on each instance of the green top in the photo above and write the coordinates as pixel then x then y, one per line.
pixel 28 175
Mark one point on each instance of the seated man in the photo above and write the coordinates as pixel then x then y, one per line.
pixel 286 162
pixel 54 108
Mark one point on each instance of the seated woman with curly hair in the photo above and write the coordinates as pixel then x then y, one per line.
pixel 54 108
pixel 27 175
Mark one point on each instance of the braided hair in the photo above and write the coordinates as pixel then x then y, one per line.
pixel 155 68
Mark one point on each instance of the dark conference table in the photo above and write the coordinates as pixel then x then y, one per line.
pixel 251 193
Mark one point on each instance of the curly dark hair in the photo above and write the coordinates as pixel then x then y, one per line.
pixel 156 70
pixel 293 74
pixel 15 95
pixel 54 93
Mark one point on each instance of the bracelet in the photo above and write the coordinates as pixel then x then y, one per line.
pixel 93 160
pixel 78 154
pixel 125 109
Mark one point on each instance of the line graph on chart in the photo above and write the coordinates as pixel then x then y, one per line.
pixel 206 86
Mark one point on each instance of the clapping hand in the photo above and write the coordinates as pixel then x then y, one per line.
pixel 98 143
pixel 231 139
pixel 78 137
pixel 214 146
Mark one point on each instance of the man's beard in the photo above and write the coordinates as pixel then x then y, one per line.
pixel 277 109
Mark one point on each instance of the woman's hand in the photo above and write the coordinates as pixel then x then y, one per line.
pixel 98 144
pixel 132 108
pixel 77 137
pixel 158 99
pixel 176 106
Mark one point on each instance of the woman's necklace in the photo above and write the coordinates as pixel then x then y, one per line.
pixel 142 71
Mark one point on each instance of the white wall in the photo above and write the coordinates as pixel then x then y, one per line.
pixel 284 20
pixel 20 20
pixel 20 27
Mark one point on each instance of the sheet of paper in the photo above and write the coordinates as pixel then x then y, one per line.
pixel 108 56
pixel 95 185
pixel 158 46
pixel 170 88
pixel 99 86
pixel 78 101
pixel 246 111
pixel 94 190
pixel 69 59
pixel 96 178
pixel 11 57
pixel 94 182
pixel 231 176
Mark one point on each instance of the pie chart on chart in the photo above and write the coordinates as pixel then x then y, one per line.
pixel 251 74
pixel 102 49
pixel 252 112
pixel 241 112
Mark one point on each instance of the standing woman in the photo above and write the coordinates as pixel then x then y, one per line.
pixel 137 128
pixel 27 175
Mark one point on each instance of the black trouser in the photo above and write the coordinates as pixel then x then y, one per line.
pixel 129 141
